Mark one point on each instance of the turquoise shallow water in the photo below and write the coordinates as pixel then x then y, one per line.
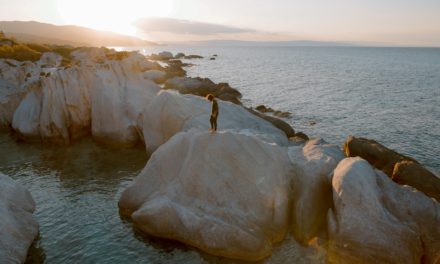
pixel 388 94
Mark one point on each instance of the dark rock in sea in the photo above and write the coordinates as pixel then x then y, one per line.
pixel 174 69
pixel 282 114
pixel 277 113
pixel 202 87
pixel 190 57
pixel 230 98
pixel 400 168
pixel 411 173
pixel 278 123
pixel 215 55
pixel 212 58
pixel 301 135
pixel 179 55
pixel 263 109
pixel 312 123
pixel 162 56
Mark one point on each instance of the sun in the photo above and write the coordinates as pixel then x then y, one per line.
pixel 112 15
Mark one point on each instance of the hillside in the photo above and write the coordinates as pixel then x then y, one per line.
pixel 31 31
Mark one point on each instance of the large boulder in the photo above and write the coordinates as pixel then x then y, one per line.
pixel 313 164
pixel 171 112
pixel 224 193
pixel 402 169
pixel 15 80
pixel 411 173
pixel 18 228
pixel 104 101
pixel 375 220
pixel 202 87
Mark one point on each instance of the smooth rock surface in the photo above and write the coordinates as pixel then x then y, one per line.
pixel 225 193
pixel 18 228
pixel 15 79
pixel 375 220
pixel 103 100
pixel 203 87
pixel 171 112
pixel 402 169
pixel 313 164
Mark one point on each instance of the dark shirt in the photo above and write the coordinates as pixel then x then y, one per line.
pixel 214 110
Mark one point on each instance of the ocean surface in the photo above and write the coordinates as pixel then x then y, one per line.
pixel 388 94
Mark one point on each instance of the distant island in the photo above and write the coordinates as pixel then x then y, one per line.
pixel 31 31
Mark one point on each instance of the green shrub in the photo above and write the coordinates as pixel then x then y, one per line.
pixel 19 52
pixel 38 47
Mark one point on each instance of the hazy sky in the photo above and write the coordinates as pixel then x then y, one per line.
pixel 406 22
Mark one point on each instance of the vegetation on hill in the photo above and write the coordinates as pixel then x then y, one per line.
pixel 12 49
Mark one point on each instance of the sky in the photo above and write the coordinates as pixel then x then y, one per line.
pixel 399 22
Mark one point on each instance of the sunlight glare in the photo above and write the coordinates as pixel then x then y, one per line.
pixel 112 15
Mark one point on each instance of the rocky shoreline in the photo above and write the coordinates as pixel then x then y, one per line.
pixel 234 193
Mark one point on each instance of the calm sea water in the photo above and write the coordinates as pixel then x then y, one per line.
pixel 388 94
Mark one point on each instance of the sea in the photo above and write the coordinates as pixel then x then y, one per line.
pixel 391 95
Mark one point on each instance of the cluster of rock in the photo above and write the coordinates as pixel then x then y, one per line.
pixel 233 193
pixel 278 113
pixel 402 169
pixel 166 56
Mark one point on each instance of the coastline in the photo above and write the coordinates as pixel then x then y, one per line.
pixel 168 132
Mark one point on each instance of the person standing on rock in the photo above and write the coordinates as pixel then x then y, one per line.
pixel 214 112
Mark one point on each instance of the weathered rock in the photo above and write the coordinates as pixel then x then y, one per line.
pixel 14 84
pixel 171 112
pixel 17 226
pixel 179 55
pixel 103 100
pixel 155 75
pixel 263 109
pixel 164 55
pixel 301 135
pixel 235 207
pixel 374 220
pixel 278 123
pixel 203 87
pixel 312 192
pixel 51 59
pixel 409 172
pixel 283 114
pixel 413 174
pixel 230 98
pixel 190 57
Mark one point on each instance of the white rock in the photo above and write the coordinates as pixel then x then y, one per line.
pixel 104 100
pixel 50 59
pixel 225 193
pixel 375 220
pixel 171 112
pixel 15 80
pixel 312 194
pixel 18 229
